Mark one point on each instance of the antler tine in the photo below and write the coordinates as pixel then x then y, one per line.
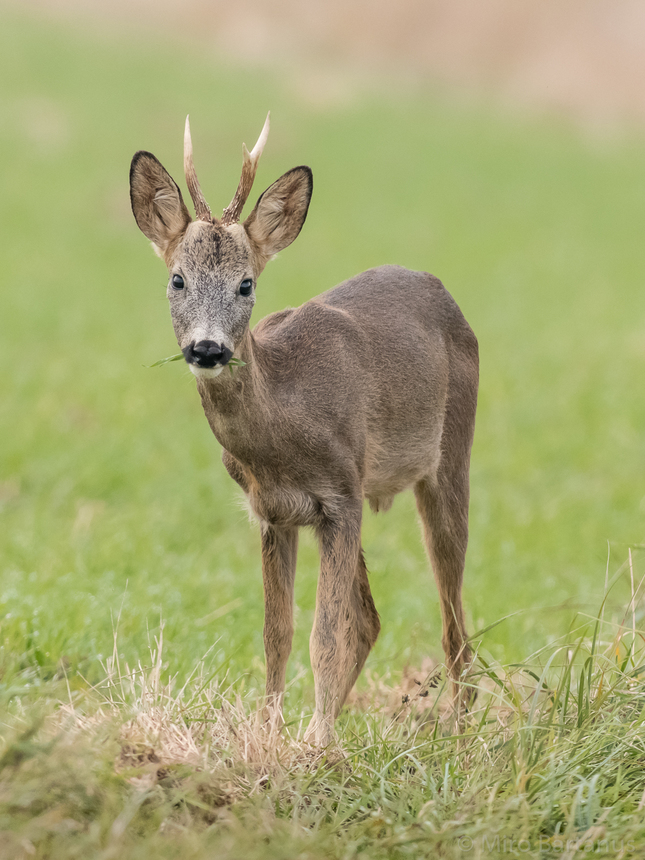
pixel 249 168
pixel 202 209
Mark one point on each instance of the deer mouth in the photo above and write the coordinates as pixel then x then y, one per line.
pixel 206 372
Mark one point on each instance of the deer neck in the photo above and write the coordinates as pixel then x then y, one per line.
pixel 235 402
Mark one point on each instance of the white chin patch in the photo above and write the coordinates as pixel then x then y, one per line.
pixel 206 372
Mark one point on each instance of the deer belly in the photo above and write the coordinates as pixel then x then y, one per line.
pixel 391 470
pixel 380 492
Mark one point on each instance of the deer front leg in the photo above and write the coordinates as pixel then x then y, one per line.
pixel 332 645
pixel 279 550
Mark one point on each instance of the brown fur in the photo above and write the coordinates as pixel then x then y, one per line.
pixel 360 393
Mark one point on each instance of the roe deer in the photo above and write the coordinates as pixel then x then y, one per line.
pixel 360 393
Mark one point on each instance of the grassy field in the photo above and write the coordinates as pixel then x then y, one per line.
pixel 117 518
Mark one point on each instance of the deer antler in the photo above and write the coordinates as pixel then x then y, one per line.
pixel 202 209
pixel 249 168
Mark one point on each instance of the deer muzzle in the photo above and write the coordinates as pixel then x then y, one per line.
pixel 207 354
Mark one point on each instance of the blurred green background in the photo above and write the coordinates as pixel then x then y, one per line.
pixel 113 500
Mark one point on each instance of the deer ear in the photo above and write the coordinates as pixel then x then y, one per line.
pixel 280 212
pixel 157 204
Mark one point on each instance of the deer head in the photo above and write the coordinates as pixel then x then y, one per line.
pixel 213 263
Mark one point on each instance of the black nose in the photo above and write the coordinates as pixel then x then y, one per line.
pixel 207 353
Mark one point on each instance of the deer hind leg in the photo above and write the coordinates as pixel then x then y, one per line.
pixel 443 506
pixel 346 622
pixel 279 550
pixel 364 627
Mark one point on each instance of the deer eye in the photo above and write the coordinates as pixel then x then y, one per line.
pixel 246 287
pixel 177 282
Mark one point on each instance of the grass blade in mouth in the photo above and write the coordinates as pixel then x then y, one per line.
pixel 161 361
pixel 235 362
pixel 232 362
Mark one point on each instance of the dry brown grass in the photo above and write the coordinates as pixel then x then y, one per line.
pixel 164 732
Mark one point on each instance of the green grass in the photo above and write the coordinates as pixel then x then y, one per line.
pixel 113 501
